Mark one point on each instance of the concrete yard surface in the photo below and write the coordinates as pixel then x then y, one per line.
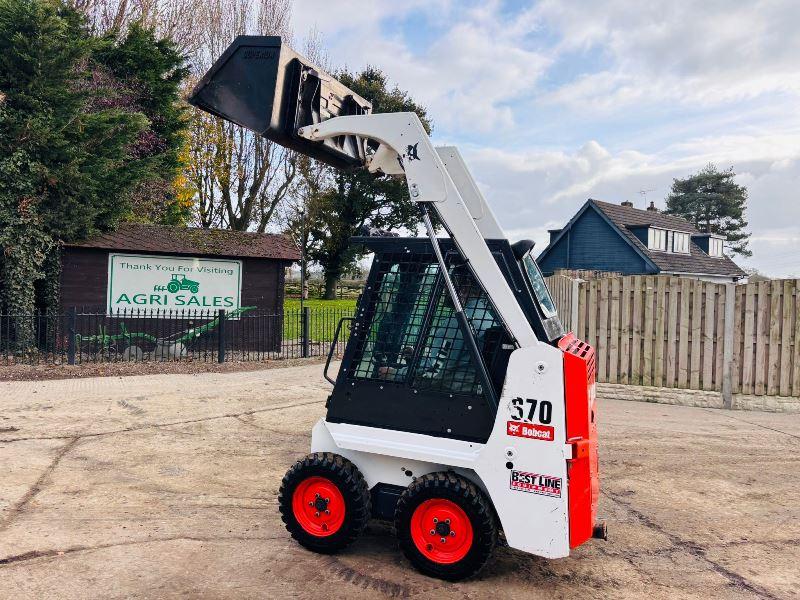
pixel 165 486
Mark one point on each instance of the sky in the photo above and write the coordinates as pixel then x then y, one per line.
pixel 554 102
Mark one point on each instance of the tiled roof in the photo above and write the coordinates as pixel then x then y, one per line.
pixel 696 261
pixel 135 237
pixel 627 215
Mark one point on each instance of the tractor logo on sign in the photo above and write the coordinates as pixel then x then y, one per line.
pixel 178 283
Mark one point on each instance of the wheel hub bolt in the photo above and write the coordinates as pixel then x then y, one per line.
pixel 433 532
pixel 316 514
pixel 452 534
pixel 327 512
pixel 435 520
pixel 447 521
pixel 443 540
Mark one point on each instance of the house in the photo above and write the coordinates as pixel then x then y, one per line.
pixel 623 239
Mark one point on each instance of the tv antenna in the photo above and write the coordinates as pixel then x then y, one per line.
pixel 643 194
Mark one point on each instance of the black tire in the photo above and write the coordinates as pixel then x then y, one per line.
pixel 350 484
pixel 173 287
pixel 471 500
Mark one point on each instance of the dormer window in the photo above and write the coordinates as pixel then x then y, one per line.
pixel 715 247
pixel 680 243
pixel 666 240
pixel 657 239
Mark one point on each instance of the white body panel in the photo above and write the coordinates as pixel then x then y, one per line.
pixel 476 204
pixel 532 522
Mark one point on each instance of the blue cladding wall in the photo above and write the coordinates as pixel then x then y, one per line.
pixel 594 245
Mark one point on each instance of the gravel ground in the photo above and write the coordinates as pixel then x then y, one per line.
pixel 126 369
pixel 164 486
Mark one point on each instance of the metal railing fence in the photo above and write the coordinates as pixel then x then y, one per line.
pixel 80 335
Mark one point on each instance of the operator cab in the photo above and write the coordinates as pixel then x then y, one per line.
pixel 408 365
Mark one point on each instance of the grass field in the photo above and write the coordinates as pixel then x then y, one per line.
pixel 316 303
pixel 325 315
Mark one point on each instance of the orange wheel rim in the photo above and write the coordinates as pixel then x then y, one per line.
pixel 318 506
pixel 441 531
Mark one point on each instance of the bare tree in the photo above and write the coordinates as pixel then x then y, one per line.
pixel 177 20
pixel 241 178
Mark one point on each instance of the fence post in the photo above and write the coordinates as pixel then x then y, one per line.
pixel 727 352
pixel 573 326
pixel 305 330
pixel 221 336
pixel 71 326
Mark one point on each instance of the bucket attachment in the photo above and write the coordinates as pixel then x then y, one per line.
pixel 263 85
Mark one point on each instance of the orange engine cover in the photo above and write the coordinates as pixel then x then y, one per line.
pixel 581 410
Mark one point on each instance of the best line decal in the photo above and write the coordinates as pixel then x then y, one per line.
pixel 534 483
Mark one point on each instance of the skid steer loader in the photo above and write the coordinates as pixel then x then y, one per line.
pixel 461 411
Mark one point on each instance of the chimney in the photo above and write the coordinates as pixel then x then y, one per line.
pixel 627 203
pixel 652 207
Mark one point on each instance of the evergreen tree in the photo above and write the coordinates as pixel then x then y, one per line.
pixel 78 132
pixel 714 203
pixel 148 73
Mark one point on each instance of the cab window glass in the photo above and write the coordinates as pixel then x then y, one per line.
pixel 397 310
pixel 445 363
pixel 540 290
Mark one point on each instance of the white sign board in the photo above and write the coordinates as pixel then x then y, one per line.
pixel 150 285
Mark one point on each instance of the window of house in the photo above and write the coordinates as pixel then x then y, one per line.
pixel 656 239
pixel 715 247
pixel 680 243
pixel 667 241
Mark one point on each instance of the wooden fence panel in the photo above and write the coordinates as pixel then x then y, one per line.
pixel 592 313
pixel 602 331
pixel 748 342
pixel 785 338
pixel 648 331
pixel 659 356
pixel 670 332
pixel 580 330
pixel 773 353
pixel 636 332
pixel 719 340
pixel 696 329
pixel 738 318
pixel 796 352
pixel 683 334
pixel 762 335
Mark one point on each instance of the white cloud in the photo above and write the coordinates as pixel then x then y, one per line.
pixel 679 51
pixel 468 76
